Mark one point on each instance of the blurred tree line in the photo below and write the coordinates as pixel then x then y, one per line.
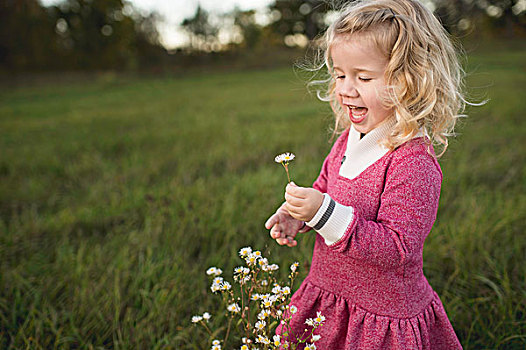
pixel 296 22
pixel 76 34
pixel 111 34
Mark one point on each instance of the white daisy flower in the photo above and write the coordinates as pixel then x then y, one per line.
pixel 216 342
pixel 255 296
pixel 284 158
pixel 289 156
pixel 238 269
pixel 216 284
pixel 315 338
pixel 285 290
pixel 243 252
pixel 226 286
pixel 262 339
pixel 294 266
pixel 315 322
pixel 206 316
pixel 246 340
pixel 310 347
pixel 264 314
pixel 260 325
pixel 266 303
pixel 214 271
pixel 257 253
pixel 276 289
pixel 233 308
pixel 251 259
pixel 293 309
pixel 263 262
pixel 276 340
pixel 244 347
pixel 264 282
pixel 319 318
pixel 196 319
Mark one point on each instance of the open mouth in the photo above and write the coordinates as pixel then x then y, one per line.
pixel 357 114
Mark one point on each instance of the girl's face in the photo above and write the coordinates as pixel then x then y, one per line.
pixel 359 69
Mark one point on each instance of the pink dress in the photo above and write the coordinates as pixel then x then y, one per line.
pixel 370 284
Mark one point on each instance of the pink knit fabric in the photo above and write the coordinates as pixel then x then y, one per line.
pixel 370 285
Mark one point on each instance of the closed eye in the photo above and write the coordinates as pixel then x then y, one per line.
pixel 365 79
pixel 340 77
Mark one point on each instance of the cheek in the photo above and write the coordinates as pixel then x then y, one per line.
pixel 382 95
pixel 377 97
pixel 338 97
pixel 337 91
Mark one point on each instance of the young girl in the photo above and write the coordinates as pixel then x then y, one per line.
pixel 395 89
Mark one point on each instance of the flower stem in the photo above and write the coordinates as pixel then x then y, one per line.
pixel 286 166
pixel 206 327
pixel 228 330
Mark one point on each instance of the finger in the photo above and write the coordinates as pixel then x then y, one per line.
pixel 292 244
pixel 295 191
pixel 296 201
pixel 293 210
pixel 290 241
pixel 281 209
pixel 275 232
pixel 271 221
pixel 282 241
pixel 296 216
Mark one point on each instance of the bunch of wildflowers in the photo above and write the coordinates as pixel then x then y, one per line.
pixel 260 303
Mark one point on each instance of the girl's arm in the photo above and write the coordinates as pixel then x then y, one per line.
pixel 408 207
pixel 284 227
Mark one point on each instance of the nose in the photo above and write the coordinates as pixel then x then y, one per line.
pixel 347 89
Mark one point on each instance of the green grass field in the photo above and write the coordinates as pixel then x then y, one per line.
pixel 116 195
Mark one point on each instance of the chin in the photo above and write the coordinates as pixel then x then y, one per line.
pixel 361 129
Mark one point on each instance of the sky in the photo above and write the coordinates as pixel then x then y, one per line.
pixel 175 11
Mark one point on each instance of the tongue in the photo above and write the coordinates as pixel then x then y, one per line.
pixel 359 111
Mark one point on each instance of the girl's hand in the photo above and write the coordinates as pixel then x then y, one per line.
pixel 302 202
pixel 283 227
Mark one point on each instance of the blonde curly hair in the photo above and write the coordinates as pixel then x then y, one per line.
pixel 423 75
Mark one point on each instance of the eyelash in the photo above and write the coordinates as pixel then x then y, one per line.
pixel 362 79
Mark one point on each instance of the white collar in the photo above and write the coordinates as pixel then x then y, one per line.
pixel 362 153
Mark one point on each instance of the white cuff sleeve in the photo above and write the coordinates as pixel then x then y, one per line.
pixel 331 220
